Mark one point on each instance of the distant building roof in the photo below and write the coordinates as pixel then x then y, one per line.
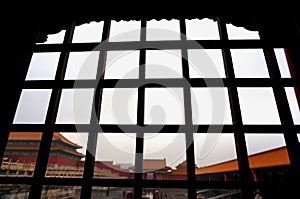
pixel 183 166
pixel 36 136
pixel 270 158
pixel 154 164
pixel 179 172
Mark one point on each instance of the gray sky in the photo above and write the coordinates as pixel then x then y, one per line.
pixel 161 105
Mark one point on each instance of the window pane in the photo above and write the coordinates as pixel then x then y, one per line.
pixel 43 66
pixel 115 155
pixel 8 191
pixel 282 63
pixel 119 106
pixel 122 65
pixel 75 106
pixel 163 64
pixel 259 142
pixel 164 106
pixel 268 157
pixel 32 107
pixel 211 106
pixel 112 192
pixel 58 191
pixel 235 32
pixel 66 157
pixel 91 32
pixel 218 193
pixel 20 154
pixel 215 157
pixel 258 106
pixel 124 31
pixel 204 29
pixel 163 30
pixel 249 63
pixel 164 156
pixel 173 193
pixel 82 65
pixel 57 38
pixel 294 105
pixel 206 63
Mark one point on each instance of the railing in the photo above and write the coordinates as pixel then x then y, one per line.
pixel 26 169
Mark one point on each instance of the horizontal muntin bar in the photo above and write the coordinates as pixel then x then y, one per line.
pixel 133 128
pixel 171 82
pixel 164 45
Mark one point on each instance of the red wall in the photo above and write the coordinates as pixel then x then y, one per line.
pixel 177 177
pixel 26 159
pixel 110 167
pixel 61 161
pixel 51 160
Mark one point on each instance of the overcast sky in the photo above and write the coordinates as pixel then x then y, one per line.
pixel 162 105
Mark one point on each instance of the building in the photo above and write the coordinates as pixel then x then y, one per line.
pixel 268 166
pixel 23 147
pixel 180 171
pixel 64 160
pixel 153 169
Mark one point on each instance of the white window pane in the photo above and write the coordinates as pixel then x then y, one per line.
pixel 57 38
pixel 91 32
pixel 211 106
pixel 164 106
pixel 204 29
pixel 75 106
pixel 258 106
pixel 282 63
pixel 163 64
pixel 79 138
pixel 82 65
pixel 43 66
pixel 294 106
pixel 163 30
pixel 169 146
pixel 249 63
pixel 32 107
pixel 235 32
pixel 58 160
pixel 122 65
pixel 213 148
pixel 206 63
pixel 119 106
pixel 257 143
pixel 125 31
pixel 116 147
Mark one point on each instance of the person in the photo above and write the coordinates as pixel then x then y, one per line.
pixel 144 196
pixel 129 194
pixel 200 196
pixel 157 194
pixel 107 191
pixel 257 196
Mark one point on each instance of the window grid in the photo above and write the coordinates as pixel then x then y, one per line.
pixel 139 150
pixel 284 111
pixel 46 140
pixel 287 126
pixel 239 136
pixel 189 139
pixel 89 163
